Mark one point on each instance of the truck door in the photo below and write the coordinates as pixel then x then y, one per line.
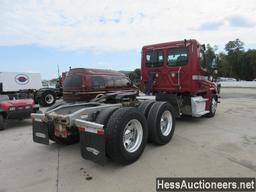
pixel 178 71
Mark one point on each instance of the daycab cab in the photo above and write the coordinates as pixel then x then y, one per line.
pixel 174 67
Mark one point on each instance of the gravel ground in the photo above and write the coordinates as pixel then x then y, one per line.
pixel 221 146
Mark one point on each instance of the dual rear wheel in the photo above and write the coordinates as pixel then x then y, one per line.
pixel 161 123
pixel 128 129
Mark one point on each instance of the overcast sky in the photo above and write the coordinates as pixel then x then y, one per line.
pixel 37 35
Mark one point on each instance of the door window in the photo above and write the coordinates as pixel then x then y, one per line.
pixel 202 59
pixel 177 56
pixel 154 58
pixel 98 82
pixel 73 81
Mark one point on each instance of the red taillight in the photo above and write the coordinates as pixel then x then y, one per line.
pixel 65 133
pixel 91 130
pixel 81 129
pixel 100 132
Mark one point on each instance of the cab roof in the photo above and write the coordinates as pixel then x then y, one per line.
pixel 89 71
pixel 170 44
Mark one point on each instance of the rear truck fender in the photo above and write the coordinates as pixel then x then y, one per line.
pixel 92 141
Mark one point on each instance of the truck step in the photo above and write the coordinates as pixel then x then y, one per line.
pixel 201 100
pixel 198 106
pixel 201 113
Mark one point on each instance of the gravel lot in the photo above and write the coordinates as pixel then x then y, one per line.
pixel 221 146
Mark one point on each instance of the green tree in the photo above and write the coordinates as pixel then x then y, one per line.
pixel 235 53
pixel 210 53
pixel 224 67
pixel 134 75
pixel 234 46
pixel 249 65
pixel 237 62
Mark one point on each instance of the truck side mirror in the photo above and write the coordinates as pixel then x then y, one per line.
pixel 215 71
pixel 214 64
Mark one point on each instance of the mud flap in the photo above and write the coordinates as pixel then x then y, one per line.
pixel 93 147
pixel 40 132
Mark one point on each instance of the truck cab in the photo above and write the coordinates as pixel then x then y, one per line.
pixel 178 68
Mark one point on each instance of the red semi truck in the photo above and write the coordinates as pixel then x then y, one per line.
pixel 118 125
pixel 178 72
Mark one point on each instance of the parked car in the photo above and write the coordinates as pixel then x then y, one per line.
pixel 82 84
pixel 15 109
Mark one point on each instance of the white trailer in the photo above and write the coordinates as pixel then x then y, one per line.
pixel 20 85
pixel 15 81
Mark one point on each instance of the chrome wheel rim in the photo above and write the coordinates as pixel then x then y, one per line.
pixel 166 123
pixel 49 98
pixel 132 136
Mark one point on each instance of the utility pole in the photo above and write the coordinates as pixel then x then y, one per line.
pixel 58 70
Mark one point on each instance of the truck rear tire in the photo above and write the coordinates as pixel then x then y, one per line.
pixel 145 106
pixel 47 99
pixel 161 123
pixel 126 135
pixel 104 115
pixel 2 122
